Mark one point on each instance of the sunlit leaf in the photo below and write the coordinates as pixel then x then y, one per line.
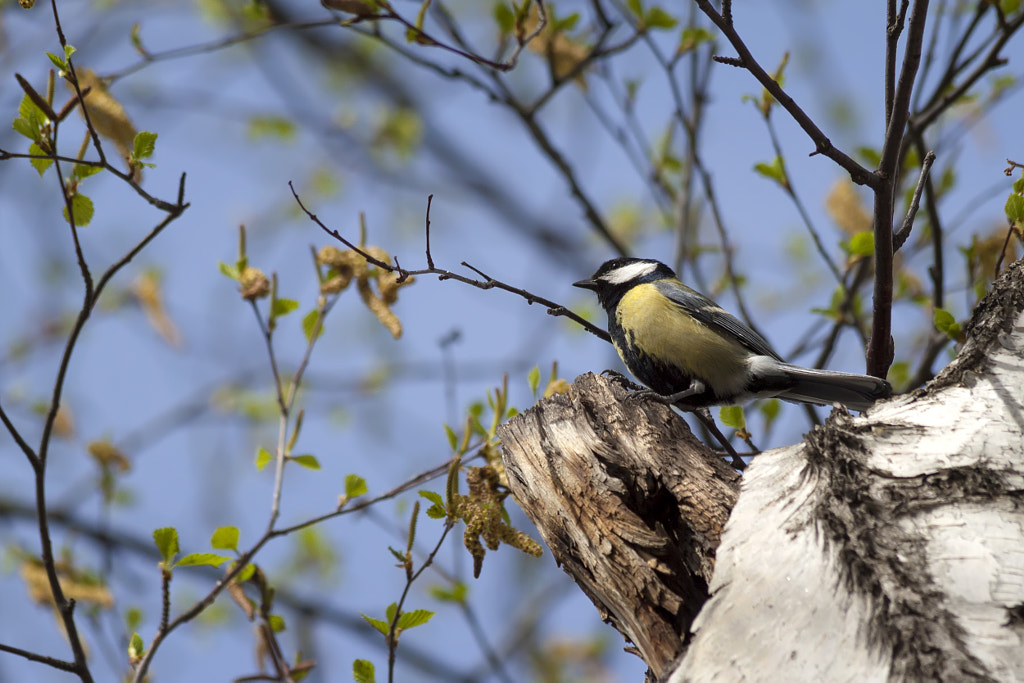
pixel 307 461
pixel 202 559
pixel 166 539
pixel 732 416
pixel 355 486
pixel 225 538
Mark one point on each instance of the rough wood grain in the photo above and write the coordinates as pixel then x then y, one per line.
pixel 631 505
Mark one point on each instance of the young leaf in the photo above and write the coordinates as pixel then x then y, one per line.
pixel 862 244
pixel 659 19
pixel 283 307
pixel 457 593
pixel 39 164
pixel 381 626
pixel 732 416
pixel 228 271
pixel 166 539
pixel 437 510
pixel 947 324
pixel 354 485
pixel 143 145
pixel 362 671
pixel 225 538
pixel 246 573
pixel 417 617
pixel 453 439
pixel 136 648
pixel 276 622
pixel 310 323
pixel 1015 209
pixel 307 461
pixel 774 171
pixel 81 209
pixel 57 62
pixel 200 559
pixel 262 458
pixel 533 379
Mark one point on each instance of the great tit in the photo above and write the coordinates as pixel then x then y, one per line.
pixel 693 354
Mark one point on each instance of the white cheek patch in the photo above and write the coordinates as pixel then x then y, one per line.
pixel 628 272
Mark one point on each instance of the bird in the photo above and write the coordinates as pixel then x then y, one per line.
pixel 691 353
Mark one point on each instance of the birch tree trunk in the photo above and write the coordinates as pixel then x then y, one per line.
pixel 883 547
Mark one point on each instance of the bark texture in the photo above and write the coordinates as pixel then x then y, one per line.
pixel 630 503
pixel 883 547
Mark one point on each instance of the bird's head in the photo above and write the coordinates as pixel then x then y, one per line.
pixel 616 277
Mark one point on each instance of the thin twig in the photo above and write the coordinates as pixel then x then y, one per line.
pixel 490 283
pixel 903 233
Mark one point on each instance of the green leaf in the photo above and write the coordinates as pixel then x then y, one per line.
pixel 273 127
pixel 246 573
pixel 283 307
pixel 453 439
pixel 68 51
pixel 362 671
pixel 39 164
pixel 457 593
pixel 947 324
pixel 132 618
pixel 692 37
pixel 437 510
pixel 415 618
pixel 872 156
pixel 774 171
pixel 225 538
pixel 228 271
pixel 276 622
pixel 636 7
pixel 166 539
pixel 564 24
pixel 57 62
pixel 136 648
pixel 307 461
pixel 732 416
pixel 862 244
pixel 1015 209
pixel 310 323
pixel 533 379
pixel 504 18
pixel 658 18
pixel 202 559
pixel 145 143
pixel 382 626
pixel 81 209
pixel 355 486
pixel 25 128
pixel 263 457
pixel 770 409
pixel 899 373
pixel 83 171
pixel 31 113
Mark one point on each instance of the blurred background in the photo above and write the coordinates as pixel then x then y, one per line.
pixel 604 138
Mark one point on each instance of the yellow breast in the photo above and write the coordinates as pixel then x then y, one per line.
pixel 662 330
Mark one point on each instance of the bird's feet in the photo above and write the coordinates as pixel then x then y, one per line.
pixel 622 380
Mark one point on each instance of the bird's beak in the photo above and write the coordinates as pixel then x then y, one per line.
pixel 585 284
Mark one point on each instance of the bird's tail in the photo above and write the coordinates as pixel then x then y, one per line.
pixel 824 387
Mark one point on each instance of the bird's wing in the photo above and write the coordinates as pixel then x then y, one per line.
pixel 714 316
